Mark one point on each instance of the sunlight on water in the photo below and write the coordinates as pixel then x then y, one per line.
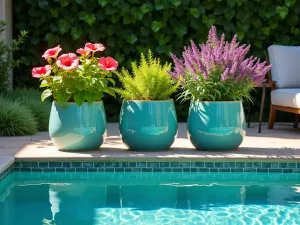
pixel 169 198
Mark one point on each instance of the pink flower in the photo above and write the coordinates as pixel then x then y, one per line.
pixel 94 47
pixel 68 61
pixel 82 51
pixel 108 63
pixel 39 72
pixel 52 52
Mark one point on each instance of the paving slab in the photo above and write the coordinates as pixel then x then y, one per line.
pixel 5 162
pixel 281 143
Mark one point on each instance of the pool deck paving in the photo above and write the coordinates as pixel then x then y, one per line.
pixel 281 144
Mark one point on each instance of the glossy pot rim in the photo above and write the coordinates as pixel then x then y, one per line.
pixel 169 100
pixel 54 101
pixel 217 101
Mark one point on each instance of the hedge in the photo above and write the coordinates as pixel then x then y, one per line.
pixel 129 27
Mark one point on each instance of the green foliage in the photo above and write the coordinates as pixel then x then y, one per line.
pixel 215 89
pixel 31 99
pixel 149 80
pixel 125 27
pixel 84 83
pixel 132 27
pixel 6 60
pixel 16 119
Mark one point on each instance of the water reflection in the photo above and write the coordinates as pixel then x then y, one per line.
pixel 91 202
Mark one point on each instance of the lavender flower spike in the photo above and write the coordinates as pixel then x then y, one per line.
pixel 218 61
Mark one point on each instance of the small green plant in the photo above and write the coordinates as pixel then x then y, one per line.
pixel 6 59
pixel 149 80
pixel 16 119
pixel 31 99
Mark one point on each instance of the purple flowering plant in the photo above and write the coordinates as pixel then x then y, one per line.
pixel 218 70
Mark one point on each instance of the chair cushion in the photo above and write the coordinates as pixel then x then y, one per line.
pixel 286 97
pixel 285 62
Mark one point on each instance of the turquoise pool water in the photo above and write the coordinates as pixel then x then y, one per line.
pixel 146 198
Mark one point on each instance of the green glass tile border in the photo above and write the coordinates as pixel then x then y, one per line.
pixel 158 166
pixel 6 172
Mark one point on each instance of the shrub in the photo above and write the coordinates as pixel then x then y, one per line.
pixel 16 119
pixel 149 80
pixel 31 99
pixel 219 70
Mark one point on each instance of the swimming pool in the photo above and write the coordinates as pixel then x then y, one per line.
pixel 29 198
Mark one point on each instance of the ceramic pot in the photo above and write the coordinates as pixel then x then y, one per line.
pixel 148 125
pixel 77 128
pixel 216 126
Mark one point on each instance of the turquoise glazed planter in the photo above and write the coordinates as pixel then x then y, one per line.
pixel 77 128
pixel 216 126
pixel 148 125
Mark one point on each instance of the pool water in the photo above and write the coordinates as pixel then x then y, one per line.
pixel 149 198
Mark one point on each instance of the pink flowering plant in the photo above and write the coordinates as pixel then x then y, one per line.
pixel 72 78
pixel 218 70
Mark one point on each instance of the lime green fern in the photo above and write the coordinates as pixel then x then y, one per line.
pixel 149 81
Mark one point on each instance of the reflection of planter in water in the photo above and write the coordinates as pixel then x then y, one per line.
pixel 148 125
pixel 76 128
pixel 216 125
pixel 149 197
pixel 201 197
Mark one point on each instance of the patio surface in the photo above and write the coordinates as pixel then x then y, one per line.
pixel 282 143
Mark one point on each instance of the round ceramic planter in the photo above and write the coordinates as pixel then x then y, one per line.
pixel 216 126
pixel 148 125
pixel 77 128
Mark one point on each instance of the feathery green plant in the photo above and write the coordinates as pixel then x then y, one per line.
pixel 149 80
pixel 16 119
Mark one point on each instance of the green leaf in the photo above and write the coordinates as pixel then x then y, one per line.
pixel 145 8
pixel 289 3
pixel 155 25
pixel 98 96
pixel 282 11
pixel 64 3
pixel 52 39
pixel 90 97
pixel 90 19
pixel 231 3
pixel 159 6
pixel 132 38
pixel 240 35
pixel 79 97
pixel 63 26
pixel 295 31
pixel 44 83
pixel 120 57
pixel 62 96
pixel 194 12
pixel 76 33
pixel 111 81
pixel 266 31
pixel 180 31
pixel 46 93
pixel 110 91
pixel 176 2
pixel 54 12
pixel 127 19
pixel 103 2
